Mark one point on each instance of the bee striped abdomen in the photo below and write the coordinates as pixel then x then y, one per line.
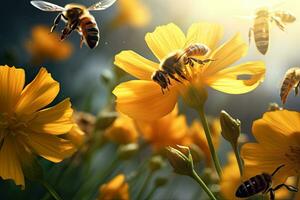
pixel 261 33
pixel 90 31
pixel 252 186
pixel 291 78
pixel 196 50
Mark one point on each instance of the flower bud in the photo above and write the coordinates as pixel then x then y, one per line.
pixel 231 128
pixel 274 107
pixel 125 152
pixel 180 159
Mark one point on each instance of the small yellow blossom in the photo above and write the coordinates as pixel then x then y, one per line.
pixel 231 180
pixel 26 126
pixel 143 99
pixel 45 45
pixel 116 189
pixel 197 135
pixel 133 13
pixel 168 131
pixel 278 143
pixel 122 131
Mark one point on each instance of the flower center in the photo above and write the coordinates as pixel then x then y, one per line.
pixel 294 157
pixel 10 125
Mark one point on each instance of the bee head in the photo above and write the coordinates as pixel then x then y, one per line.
pixel 161 78
pixel 263 11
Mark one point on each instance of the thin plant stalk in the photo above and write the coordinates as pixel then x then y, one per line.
pixel 146 182
pixel 239 160
pixel 209 141
pixel 51 191
pixel 196 177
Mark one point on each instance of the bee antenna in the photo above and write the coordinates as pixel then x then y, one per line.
pixel 276 170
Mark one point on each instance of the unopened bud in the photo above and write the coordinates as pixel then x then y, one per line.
pixel 231 128
pixel 274 107
pixel 197 153
pixel 125 152
pixel 156 163
pixel 180 159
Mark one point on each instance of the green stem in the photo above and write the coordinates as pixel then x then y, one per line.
pixel 203 185
pixel 149 196
pixel 238 158
pixel 51 190
pixel 209 141
pixel 148 178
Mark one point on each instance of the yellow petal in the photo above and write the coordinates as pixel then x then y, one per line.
pixel 282 121
pixel 38 94
pixel 227 54
pixel 10 167
pixel 164 40
pixel 238 79
pixel 50 147
pixel 135 65
pixel 143 100
pixel 205 33
pixel 55 120
pixel 11 84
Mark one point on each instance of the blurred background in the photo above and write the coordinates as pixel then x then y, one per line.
pixel 79 71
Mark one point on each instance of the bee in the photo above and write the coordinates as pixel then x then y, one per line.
pixel 77 17
pixel 174 65
pixel 291 80
pixel 261 183
pixel 261 26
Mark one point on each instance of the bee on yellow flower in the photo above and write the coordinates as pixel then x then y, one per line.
pixel 117 189
pixel 143 100
pixel 132 12
pixel 44 45
pixel 122 131
pixel 278 143
pixel 28 128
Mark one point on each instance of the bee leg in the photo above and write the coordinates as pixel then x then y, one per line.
pixel 288 187
pixel 201 62
pixel 297 88
pixel 278 23
pixel 81 41
pixel 250 34
pixel 272 194
pixel 180 73
pixel 173 77
pixel 56 22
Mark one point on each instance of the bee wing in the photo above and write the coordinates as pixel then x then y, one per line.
pixel 102 5
pixel 46 6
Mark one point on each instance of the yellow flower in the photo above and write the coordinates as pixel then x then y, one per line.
pixel 45 45
pixel 197 135
pixel 167 131
pixel 278 143
pixel 133 13
pixel 116 189
pixel 26 126
pixel 122 131
pixel 231 180
pixel 76 136
pixel 143 99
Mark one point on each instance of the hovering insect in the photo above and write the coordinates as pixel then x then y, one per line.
pixel 261 26
pixel 291 80
pixel 77 17
pixel 176 63
pixel 261 183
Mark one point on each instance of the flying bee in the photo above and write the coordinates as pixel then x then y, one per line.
pixel 261 26
pixel 77 17
pixel 174 65
pixel 291 80
pixel 261 183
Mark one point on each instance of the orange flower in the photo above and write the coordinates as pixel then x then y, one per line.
pixel 122 131
pixel 26 126
pixel 278 142
pixel 45 45
pixel 167 131
pixel 133 13
pixel 143 99
pixel 197 135
pixel 116 189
